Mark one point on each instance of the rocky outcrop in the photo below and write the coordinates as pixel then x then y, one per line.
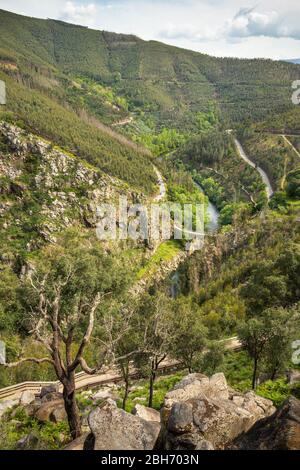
pixel 27 398
pixel 51 411
pixel 114 429
pixel 7 405
pixel 148 414
pixel 203 413
pixel 71 188
pixel 281 431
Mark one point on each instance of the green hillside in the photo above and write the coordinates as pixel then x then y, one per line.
pixel 169 84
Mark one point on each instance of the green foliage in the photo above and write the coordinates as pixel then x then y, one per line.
pixel 293 184
pixel 277 391
pixel 140 391
pixel 212 359
pixel 272 153
pixel 17 425
pixel 190 334
pixel 163 142
pixel 217 167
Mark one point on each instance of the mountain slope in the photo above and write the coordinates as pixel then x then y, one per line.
pixel 170 84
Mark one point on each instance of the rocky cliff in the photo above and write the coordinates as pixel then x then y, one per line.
pixel 44 190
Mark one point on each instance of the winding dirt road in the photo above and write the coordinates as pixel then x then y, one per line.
pixel 263 174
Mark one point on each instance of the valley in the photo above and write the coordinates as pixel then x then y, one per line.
pixel 92 117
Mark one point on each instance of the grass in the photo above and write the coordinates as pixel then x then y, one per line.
pixel 16 425
pixel 164 253
pixel 140 391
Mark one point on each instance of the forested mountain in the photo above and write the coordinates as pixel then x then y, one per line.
pixel 91 116
pixel 294 61
pixel 170 85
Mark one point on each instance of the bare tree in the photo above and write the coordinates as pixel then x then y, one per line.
pixel 158 329
pixel 63 298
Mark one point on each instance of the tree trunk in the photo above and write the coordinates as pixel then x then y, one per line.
pixel 274 372
pixel 151 385
pixel 254 374
pixel 71 406
pixel 126 380
pixel 154 366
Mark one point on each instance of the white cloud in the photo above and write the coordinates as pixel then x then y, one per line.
pixel 250 23
pixel 216 27
pixel 188 31
pixel 80 14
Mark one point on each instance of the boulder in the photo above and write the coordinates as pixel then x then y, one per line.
pixel 59 414
pixel 148 414
pixel 27 398
pixel 281 431
pixel 114 429
pixel 104 394
pixel 52 396
pixel 77 444
pixel 29 442
pixel 195 385
pixel 294 377
pixel 7 405
pixel 203 413
pixel 49 389
pixel 46 409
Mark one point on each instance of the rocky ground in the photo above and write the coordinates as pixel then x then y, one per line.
pixel 199 413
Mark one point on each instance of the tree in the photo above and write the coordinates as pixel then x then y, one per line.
pixel 157 327
pixel 212 358
pixel 189 334
pixel 63 297
pixel 265 288
pixel 129 342
pixel 268 338
pixel 254 336
pixel 278 350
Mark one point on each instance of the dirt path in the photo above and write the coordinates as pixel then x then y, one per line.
pixel 85 381
pixel 263 174
pixel 290 144
pixel 123 122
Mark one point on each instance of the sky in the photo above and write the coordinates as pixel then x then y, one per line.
pixel 246 28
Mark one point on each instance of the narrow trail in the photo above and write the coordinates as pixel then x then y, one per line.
pixel 84 381
pixel 290 144
pixel 124 122
pixel 263 174
pixel 162 187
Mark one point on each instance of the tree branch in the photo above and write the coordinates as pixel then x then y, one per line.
pixel 29 359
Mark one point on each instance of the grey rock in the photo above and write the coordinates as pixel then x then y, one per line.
pixel 148 414
pixel 27 398
pixel 181 418
pixel 294 377
pixel 7 405
pixel 114 429
pixel 59 414
pixel 280 431
pixel 52 396
pixel 202 413
pixel 29 442
pixel 49 389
